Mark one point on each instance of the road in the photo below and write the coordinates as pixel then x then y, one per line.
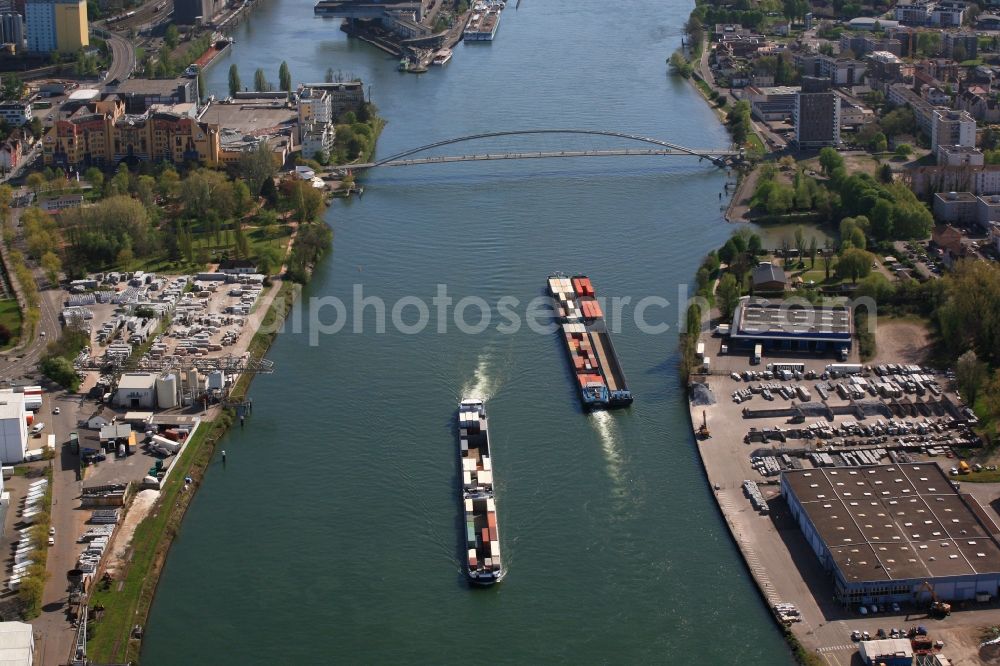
pixel 22 362
pixel 773 142
pixel 55 632
pixel 122 57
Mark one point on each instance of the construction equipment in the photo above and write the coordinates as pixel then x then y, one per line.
pixel 703 431
pixel 938 608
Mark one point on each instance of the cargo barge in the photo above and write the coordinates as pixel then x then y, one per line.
pixel 482 538
pixel 595 364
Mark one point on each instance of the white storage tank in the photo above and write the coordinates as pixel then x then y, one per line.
pixel 216 380
pixel 166 391
pixel 191 381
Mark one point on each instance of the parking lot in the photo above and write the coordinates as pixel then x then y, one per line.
pixel 797 414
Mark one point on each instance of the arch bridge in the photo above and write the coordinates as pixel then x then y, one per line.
pixel 719 157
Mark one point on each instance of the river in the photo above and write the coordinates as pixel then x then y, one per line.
pixel 331 534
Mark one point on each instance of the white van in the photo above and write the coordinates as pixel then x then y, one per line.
pixel 37 428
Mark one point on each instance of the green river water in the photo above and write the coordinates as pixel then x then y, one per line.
pixel 332 533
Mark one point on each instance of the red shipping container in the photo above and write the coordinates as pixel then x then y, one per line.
pixel 486 535
pixel 578 362
pixel 491 519
pixel 493 534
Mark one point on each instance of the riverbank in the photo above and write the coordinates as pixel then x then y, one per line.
pixel 727 502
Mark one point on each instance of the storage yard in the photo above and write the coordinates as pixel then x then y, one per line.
pixel 850 475
pixel 196 323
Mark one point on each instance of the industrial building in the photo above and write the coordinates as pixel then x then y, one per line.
pixel 136 390
pixel 888 651
pixel 895 533
pixel 196 12
pixel 17 644
pixel 13 428
pixel 12 30
pixel 56 25
pixel 785 326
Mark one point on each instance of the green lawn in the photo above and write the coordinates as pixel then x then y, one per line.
pixel 755 144
pixel 10 316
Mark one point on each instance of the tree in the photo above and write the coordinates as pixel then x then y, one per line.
pixel 35 181
pixel 268 260
pixel 754 245
pixel 827 259
pixel 36 127
pixel 125 257
pixel 970 374
pixel 969 316
pixel 830 160
pixel 879 143
pixel 260 83
pixel 13 87
pixel 235 85
pixel 852 232
pixel 881 217
pixel 885 173
pixel 855 264
pixel 679 65
pixel 284 77
pixel 61 371
pixel 95 177
pixel 728 295
pixel 52 267
pixel 800 243
pixel 904 150
pixel 990 139
pixel 171 36
pixel 269 191
pixel 812 252
pixel 256 167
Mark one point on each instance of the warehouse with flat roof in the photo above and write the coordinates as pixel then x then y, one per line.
pixel 887 531
pixel 790 326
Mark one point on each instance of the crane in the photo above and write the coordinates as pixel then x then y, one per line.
pixel 938 608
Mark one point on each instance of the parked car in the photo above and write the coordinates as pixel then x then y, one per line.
pixel 37 428
pixel 862 610
pixel 895 607
pixel 55 410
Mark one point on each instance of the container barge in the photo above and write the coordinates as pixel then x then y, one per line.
pixel 483 565
pixel 595 364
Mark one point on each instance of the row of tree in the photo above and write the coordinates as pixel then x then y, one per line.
pixel 260 82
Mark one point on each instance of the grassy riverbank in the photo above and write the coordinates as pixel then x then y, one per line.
pixel 126 601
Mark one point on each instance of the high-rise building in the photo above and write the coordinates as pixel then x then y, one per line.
pixel 56 25
pixel 12 30
pixel 816 114
pixel 952 128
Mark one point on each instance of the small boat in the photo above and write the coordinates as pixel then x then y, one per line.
pixel 404 64
pixel 442 57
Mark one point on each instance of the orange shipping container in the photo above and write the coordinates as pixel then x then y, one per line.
pixel 493 534
pixel 486 535
pixel 597 309
pixel 491 519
